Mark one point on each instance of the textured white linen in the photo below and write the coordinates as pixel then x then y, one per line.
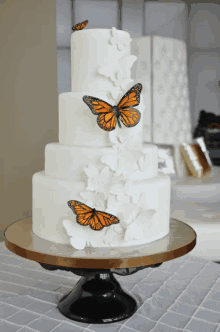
pixel 180 295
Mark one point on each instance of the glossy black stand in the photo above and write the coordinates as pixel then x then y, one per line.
pixel 97 297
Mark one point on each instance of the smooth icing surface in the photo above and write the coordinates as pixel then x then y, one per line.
pixel 78 125
pixel 67 162
pixel 92 49
pixel 50 209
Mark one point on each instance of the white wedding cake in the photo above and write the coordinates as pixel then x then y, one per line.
pixel 108 171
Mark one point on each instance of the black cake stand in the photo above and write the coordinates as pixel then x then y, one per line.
pixel 98 297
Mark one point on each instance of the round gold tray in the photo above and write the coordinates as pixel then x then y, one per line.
pixel 21 240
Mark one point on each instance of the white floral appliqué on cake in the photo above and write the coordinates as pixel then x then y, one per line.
pixel 119 73
pixel 122 66
pixel 82 236
pixel 98 182
pixel 119 39
pixel 111 190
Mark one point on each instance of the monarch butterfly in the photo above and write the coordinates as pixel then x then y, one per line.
pixel 125 112
pixel 88 216
pixel 80 26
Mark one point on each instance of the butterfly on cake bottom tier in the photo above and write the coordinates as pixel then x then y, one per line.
pixel 88 216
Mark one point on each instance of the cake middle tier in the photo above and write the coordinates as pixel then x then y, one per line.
pixel 78 125
pixel 68 162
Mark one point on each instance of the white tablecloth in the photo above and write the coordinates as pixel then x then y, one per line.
pixel 180 295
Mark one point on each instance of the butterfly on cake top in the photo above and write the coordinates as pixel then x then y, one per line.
pixel 80 26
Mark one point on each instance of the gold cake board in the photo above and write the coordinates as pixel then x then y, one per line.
pixel 21 240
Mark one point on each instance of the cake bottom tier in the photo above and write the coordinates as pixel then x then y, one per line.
pixel 144 218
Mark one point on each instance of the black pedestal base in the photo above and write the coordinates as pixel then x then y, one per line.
pixel 98 299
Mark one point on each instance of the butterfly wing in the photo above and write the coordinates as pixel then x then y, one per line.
pixel 130 116
pixel 80 26
pixel 83 212
pixel 106 116
pixel 106 219
pixel 131 98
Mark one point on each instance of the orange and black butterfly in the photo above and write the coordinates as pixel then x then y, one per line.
pixel 80 26
pixel 124 112
pixel 88 216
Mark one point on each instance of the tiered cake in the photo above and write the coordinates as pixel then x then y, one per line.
pixel 108 171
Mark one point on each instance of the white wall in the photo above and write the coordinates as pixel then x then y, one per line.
pixel 28 97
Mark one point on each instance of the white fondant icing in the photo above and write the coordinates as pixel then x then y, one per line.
pixel 90 50
pixel 99 182
pixel 50 197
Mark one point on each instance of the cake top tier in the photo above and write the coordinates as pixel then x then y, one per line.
pixel 100 59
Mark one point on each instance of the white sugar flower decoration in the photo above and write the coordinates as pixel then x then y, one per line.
pixel 94 200
pixel 109 70
pixel 144 162
pixel 128 213
pixel 133 232
pixel 122 66
pixel 127 141
pixel 121 42
pixel 120 192
pixel 112 205
pixel 122 82
pixel 83 236
pixel 137 197
pixel 78 236
pixel 115 93
pixel 119 142
pixel 112 233
pixel 127 164
pixel 111 160
pixel 122 165
pixel 98 181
